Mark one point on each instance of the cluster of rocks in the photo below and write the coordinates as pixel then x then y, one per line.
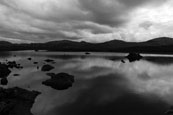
pixel 5 70
pixel 13 64
pixel 60 81
pixel 16 101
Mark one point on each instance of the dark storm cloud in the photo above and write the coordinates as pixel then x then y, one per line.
pixel 134 3
pixel 65 19
pixel 104 14
pixel 94 27
pixel 112 12
pixel 35 37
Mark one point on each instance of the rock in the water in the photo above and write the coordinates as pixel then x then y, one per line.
pixel 4 81
pixel 29 58
pixel 4 71
pixel 123 61
pixel 13 64
pixel 49 60
pixel 16 74
pixel 87 53
pixel 60 81
pixel 134 57
pixel 35 63
pixel 47 67
pixel 16 101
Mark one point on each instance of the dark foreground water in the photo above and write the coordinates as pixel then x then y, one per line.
pixel 103 84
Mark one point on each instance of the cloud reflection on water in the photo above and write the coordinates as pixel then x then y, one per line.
pixel 102 86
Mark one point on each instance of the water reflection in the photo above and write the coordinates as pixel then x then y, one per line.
pixel 110 95
pixel 103 85
pixel 160 60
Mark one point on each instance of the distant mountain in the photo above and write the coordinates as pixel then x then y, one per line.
pixel 160 41
pixel 158 45
pixel 5 43
pixel 60 42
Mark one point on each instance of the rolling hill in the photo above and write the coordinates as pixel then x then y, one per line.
pixel 157 45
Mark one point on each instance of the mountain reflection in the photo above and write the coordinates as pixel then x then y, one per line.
pixel 160 60
pixel 102 85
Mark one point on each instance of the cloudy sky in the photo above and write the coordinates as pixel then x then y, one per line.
pixel 85 20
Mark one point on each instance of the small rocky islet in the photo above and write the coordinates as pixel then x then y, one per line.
pixel 132 57
pixel 47 67
pixel 60 81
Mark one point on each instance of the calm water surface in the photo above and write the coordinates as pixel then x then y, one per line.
pixel 103 84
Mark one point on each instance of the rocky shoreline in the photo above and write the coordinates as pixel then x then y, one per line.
pixel 16 101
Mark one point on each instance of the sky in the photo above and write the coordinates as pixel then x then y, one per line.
pixel 85 20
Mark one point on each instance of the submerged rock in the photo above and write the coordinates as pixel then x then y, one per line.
pixel 16 101
pixel 134 57
pixel 60 81
pixel 47 67
pixel 4 71
pixel 4 81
